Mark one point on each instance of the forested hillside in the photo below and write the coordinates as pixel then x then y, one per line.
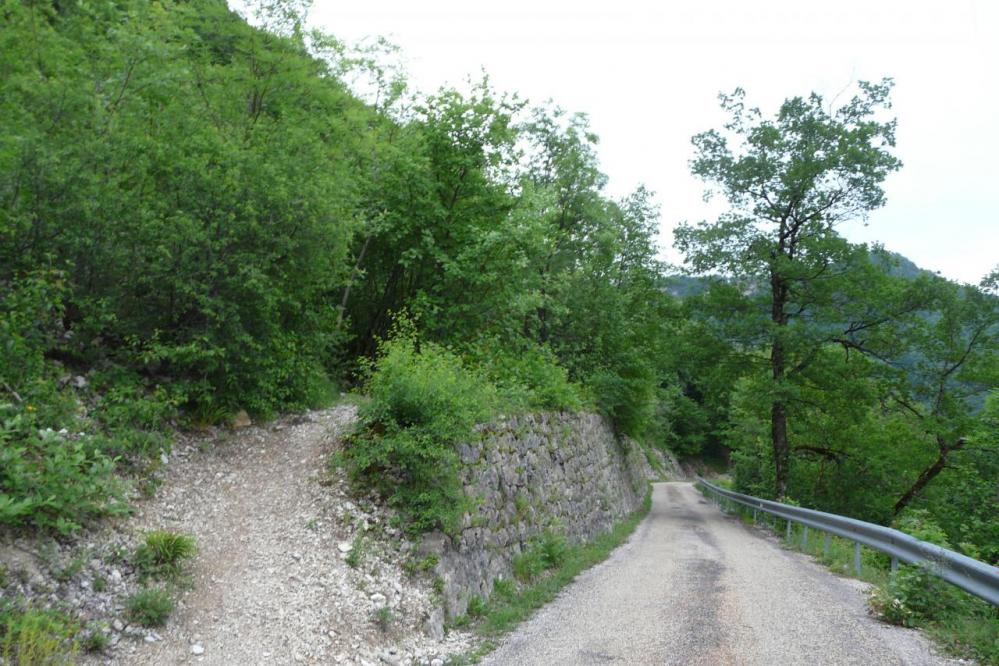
pixel 199 216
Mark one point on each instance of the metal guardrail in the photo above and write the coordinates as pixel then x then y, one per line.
pixel 978 578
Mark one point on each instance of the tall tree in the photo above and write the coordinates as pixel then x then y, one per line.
pixel 954 364
pixel 790 181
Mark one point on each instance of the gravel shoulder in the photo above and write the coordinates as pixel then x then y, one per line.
pixel 693 586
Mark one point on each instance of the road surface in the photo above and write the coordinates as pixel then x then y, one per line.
pixel 693 586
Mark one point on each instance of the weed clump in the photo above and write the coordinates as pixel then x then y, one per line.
pixel 29 636
pixel 164 553
pixel 150 607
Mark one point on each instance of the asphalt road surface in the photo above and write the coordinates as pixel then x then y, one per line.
pixel 693 586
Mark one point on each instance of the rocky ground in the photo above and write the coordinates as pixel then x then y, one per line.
pixel 291 566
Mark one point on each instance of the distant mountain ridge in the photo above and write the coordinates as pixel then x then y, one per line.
pixel 685 286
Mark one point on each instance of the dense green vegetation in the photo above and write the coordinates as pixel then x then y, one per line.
pixel 199 216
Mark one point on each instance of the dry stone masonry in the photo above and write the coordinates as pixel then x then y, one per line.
pixel 565 472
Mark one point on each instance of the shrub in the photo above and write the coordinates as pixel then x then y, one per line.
pixel 32 637
pixel 529 377
pixel 30 316
pixel 50 480
pixel 163 553
pixel 150 607
pixel 423 401
pixel 914 595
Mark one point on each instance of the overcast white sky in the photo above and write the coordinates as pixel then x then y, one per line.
pixel 648 74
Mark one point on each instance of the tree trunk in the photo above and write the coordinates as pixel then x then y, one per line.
pixel 778 425
pixel 778 408
pixel 354 274
pixel 926 475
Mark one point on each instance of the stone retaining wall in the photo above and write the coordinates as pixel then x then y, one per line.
pixel 566 472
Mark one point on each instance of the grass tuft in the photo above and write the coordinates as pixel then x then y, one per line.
pixel 31 637
pixel 150 607
pixel 164 553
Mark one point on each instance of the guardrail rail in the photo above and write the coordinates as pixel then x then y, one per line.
pixel 971 575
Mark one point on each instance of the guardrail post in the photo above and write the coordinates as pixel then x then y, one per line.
pixel 789 530
pixel 804 538
pixel 754 516
pixel 894 564
pixel 856 556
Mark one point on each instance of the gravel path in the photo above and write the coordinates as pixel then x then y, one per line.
pixel 693 586
pixel 270 581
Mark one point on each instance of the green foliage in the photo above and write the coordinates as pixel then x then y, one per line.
pixel 199 236
pixel 790 181
pixel 51 480
pixel 163 553
pixel 423 402
pixel 95 639
pixel 476 607
pixel 31 637
pixel 912 596
pixel 528 377
pixel 384 618
pixel 627 394
pixel 414 565
pixel 150 607
pixel 546 552
pixel 31 307
pixel 216 223
pixel 357 552
pixel 528 564
pixel 554 549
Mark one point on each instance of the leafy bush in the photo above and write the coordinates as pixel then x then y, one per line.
pixel 528 377
pixel 32 637
pixel 163 553
pixel 150 607
pixel 30 311
pixel 423 400
pixel 626 393
pixel 50 480
pixel 915 597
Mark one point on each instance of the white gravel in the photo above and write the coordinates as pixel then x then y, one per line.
pixel 693 586
pixel 271 584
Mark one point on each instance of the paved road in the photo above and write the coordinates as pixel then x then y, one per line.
pixel 693 586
